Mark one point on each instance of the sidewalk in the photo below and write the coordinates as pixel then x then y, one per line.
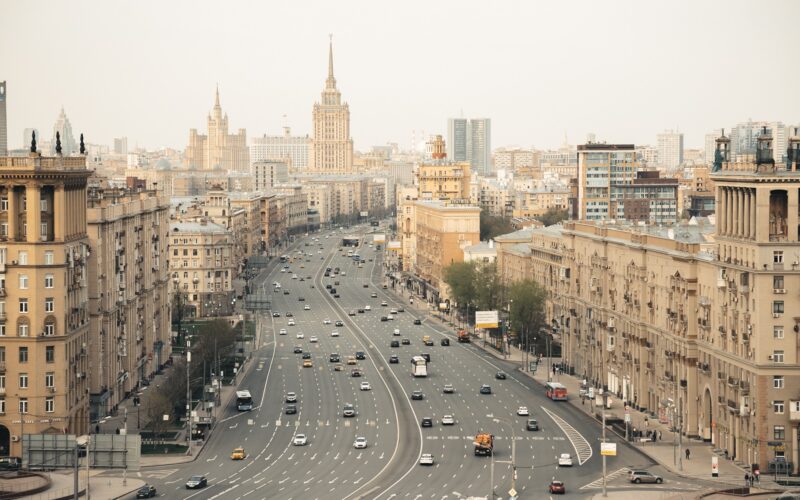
pixel 106 487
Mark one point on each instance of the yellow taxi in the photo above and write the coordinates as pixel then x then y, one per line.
pixel 307 363
pixel 351 360
pixel 238 454
pixel 338 367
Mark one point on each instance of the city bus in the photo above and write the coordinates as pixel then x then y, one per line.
pixel 244 401
pixel 555 391
pixel 284 258
pixel 419 366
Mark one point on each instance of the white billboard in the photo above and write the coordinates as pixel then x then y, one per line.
pixel 486 319
pixel 393 245
pixel 379 238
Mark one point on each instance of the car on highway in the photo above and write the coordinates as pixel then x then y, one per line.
pixel 365 386
pixel 565 460
pixel 298 349
pixel 355 372
pixel 306 307
pixel 405 342
pixel 339 322
pixel 426 422
pixel 276 315
pixel 390 318
pixel 300 440
pixel 384 318
pixel 426 459
pixel 352 312
pixel 448 389
pixel 417 322
pixel 313 339
pixel 348 410
pixel 644 476
pixel 300 335
pixel 426 339
pixel 522 411
pixel 328 286
pixel 486 389
pixel 291 397
pixel 286 292
pixel 384 303
pixel 301 299
pixel 334 334
pixel 289 315
pixel 394 343
pixel 500 375
pixel 146 491
pixel 334 358
pixel 360 355
pixel 196 482
pixel 445 342
pixel 338 367
pixel 238 454
pixel 427 356
pixel 401 309
pixel 291 322
pixel 365 285
pixel 557 487
pixel 448 420
pixel 373 295
pixel 367 308
pixel 360 311
pixel 417 395
pixel 307 363
pixel 394 359
pixel 306 355
pixel 393 310
pixel 360 443
pixel 396 332
pixel 351 360
pixel 532 425
pixel 290 409
pixel 282 331
pixel 326 321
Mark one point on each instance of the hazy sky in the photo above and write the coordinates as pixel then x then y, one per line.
pixel 624 70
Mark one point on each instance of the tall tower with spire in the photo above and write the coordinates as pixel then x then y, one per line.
pixel 331 149
pixel 219 149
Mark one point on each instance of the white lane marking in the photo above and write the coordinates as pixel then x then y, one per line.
pixel 582 447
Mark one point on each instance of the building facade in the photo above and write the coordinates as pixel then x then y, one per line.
pixel 670 149
pixel 4 120
pixel 600 168
pixel 480 145
pixel 218 150
pixel 444 180
pixel 44 298
pixel 458 139
pixel 63 128
pixel 287 148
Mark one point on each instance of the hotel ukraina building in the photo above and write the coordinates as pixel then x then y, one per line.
pixel 699 325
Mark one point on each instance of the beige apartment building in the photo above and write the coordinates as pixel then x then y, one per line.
pixel 202 266
pixel 294 203
pixel 249 204
pixel 696 324
pixel 406 226
pixel 444 181
pixel 44 298
pixel 129 292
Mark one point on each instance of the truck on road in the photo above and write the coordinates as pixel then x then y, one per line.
pixel 484 443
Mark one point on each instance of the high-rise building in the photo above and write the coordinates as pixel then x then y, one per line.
pixel 219 149
pixel 64 128
pixel 670 149
pixel 268 173
pixel 744 137
pixel 291 149
pixel 710 145
pixel 457 139
pixel 331 149
pixel 120 145
pixel 3 121
pixel 480 145
pixel 44 298
pixel 602 167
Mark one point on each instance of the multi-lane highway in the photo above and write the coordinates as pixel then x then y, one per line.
pixel 329 466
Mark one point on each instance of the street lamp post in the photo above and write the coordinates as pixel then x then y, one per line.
pixel 188 399
pixel 513 461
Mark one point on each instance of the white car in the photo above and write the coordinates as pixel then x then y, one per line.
pixel 448 420
pixel 390 317
pixel 426 459
pixel 365 386
pixel 300 440
pixel 282 332
pixel 334 334
pixel 367 308
pixel 393 311
pixel 307 307
pixel 343 273
pixel 299 335
pixel 291 322
pixel 565 460
pixel 396 332
pixel 313 339
pixel 326 321
pixel 294 276
pixel 522 411
pixel 360 443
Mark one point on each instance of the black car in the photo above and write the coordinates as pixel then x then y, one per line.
pixel 394 359
pixel 147 491
pixel 276 315
pixel 298 349
pixel 289 315
pixel 328 286
pixel 355 372
pixel 332 290
pixel 360 355
pixel 366 285
pixel 306 355
pixel 485 389
pixel 417 395
pixel 426 422
pixel 500 375
pixel 384 318
pixel 301 299
pixel 532 424
pixel 290 409
pixel 417 322
pixel 427 356
pixel 394 343
pixel 405 342
pixel 196 482
pixel 336 283
pixel 336 295
pixel 445 342
pixel 286 292
pixel 339 322
pixel 334 358
pixel 361 311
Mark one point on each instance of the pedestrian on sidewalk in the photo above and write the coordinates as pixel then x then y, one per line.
pixel 646 422
pixel 757 474
pixel 687 453
pixel 752 479
pixel 659 435
pixel 746 479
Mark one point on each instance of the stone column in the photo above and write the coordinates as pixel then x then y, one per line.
pixel 746 218
pixel 720 209
pixel 730 205
pixel 740 222
pixel 13 213
pixel 33 195
pixel 735 212
pixel 59 213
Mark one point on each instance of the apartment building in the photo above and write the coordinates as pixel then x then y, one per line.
pixel 444 180
pixel 406 225
pixel 44 298
pixel 129 292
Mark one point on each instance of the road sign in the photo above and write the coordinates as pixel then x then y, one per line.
pixel 608 449
pixel 714 466
pixel 627 417
pixel 486 319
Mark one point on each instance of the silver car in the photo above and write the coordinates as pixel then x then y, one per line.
pixel 643 476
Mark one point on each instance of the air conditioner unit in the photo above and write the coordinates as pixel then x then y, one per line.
pixel 15 438
pixel 776 315
pixel 778 290
pixel 769 357
pixel 51 390
pixel 610 323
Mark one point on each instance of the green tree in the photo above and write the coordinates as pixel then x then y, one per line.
pixel 527 301
pixel 158 404
pixel 553 216
pixel 489 289
pixel 460 277
pixel 492 226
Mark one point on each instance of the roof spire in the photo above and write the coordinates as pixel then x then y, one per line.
pixel 331 81
pixel 216 103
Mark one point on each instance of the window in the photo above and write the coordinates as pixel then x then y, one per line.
pixel 23 354
pixel 49 329
pixel 175 252
pixel 23 405
pixel 777 282
pixel 23 281
pixel 48 258
pixel 22 257
pixel 48 280
pixel 22 330
pixel 4 229
pixel 2 381
pixel 2 406
pixel 50 353
pixel 777 307
pixel 2 330
pixel 777 407
pixel 43 230
pixel 777 257
pixel 779 432
pixel 49 304
pixel 49 379
pixel 4 204
pixel 43 205
pixel 777 332
pixel 49 404
pixel 777 356
pixel 23 380
pixel 23 305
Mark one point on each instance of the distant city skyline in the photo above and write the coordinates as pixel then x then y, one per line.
pixel 536 85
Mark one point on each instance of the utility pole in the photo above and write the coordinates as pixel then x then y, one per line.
pixel 188 399
pixel 125 431
pixel 605 494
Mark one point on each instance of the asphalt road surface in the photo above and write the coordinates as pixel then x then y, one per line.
pixel 328 466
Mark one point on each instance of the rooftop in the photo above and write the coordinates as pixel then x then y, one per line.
pixel 196 227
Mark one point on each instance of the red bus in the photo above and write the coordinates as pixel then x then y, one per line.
pixel 555 391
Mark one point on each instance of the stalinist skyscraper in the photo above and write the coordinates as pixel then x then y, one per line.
pixel 331 149
pixel 218 149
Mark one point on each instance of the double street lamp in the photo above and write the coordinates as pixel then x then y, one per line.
pixel 512 462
